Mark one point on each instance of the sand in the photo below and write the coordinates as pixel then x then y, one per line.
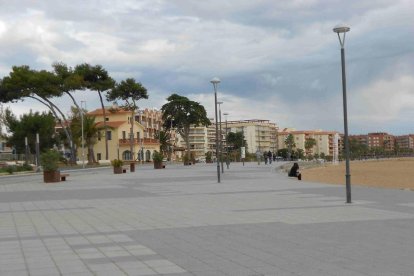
pixel 390 173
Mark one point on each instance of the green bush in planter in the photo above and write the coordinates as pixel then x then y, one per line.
pixel 117 163
pixel 157 157
pixel 50 160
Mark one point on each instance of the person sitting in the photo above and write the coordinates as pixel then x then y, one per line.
pixel 294 171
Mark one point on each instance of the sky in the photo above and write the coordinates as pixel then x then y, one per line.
pixel 277 60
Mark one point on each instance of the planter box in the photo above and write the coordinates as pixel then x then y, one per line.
pixel 159 165
pixel 50 177
pixel 117 170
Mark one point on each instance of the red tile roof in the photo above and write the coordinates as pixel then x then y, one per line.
pixel 108 110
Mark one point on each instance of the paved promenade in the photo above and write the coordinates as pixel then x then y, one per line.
pixel 180 221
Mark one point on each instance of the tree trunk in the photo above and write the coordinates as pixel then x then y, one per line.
pixel 91 155
pixel 131 136
pixel 186 138
pixel 52 107
pixel 105 127
pixel 72 149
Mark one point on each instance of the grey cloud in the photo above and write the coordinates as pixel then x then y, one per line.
pixel 281 51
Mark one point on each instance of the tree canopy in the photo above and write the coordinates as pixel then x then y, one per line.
pixel 96 78
pixel 235 140
pixel 128 91
pixel 27 126
pixel 181 113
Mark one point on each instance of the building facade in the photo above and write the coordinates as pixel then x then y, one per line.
pixel 119 134
pixel 405 141
pixel 327 142
pixel 376 140
pixel 260 135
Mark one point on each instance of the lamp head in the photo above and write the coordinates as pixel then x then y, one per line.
pixel 341 28
pixel 215 80
pixel 225 113
pixel 219 102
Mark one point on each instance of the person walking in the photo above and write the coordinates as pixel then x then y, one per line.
pixel 269 156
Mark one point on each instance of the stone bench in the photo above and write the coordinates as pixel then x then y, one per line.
pixel 104 162
pixel 63 176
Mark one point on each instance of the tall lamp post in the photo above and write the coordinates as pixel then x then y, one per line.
pixel 227 147
pixel 342 30
pixel 221 138
pixel 215 81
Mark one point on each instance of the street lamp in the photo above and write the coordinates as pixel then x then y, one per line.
pixel 83 140
pixel 227 147
pixel 215 81
pixel 221 138
pixel 342 29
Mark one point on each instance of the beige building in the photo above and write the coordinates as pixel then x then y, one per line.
pixel 327 142
pixel 260 135
pixel 146 124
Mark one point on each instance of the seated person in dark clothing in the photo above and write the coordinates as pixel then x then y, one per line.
pixel 294 171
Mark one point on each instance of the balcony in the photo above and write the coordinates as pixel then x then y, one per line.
pixel 145 141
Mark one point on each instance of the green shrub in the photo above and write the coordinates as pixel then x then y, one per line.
pixel 209 156
pixel 157 156
pixel 10 169
pixel 24 167
pixel 49 160
pixel 117 163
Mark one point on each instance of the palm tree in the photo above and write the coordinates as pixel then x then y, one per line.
pixel 90 133
pixel 164 138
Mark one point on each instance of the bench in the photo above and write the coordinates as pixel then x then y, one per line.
pixel 63 176
pixel 104 162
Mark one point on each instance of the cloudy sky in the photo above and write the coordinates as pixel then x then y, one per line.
pixel 277 60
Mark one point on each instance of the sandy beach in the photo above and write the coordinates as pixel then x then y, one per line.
pixel 389 173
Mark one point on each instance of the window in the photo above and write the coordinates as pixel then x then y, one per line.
pixel 98 156
pixel 109 135
pixel 106 119
pixel 123 134
pixel 99 136
pixel 138 135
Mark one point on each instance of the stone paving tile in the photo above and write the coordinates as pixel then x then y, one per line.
pixel 179 221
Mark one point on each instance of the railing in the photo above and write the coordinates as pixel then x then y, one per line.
pixel 144 141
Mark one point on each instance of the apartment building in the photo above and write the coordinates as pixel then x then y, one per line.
pixel 376 140
pixel 327 142
pixel 146 124
pixel 405 141
pixel 260 135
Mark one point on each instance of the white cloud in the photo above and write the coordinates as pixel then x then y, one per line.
pixel 384 100
pixel 276 56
